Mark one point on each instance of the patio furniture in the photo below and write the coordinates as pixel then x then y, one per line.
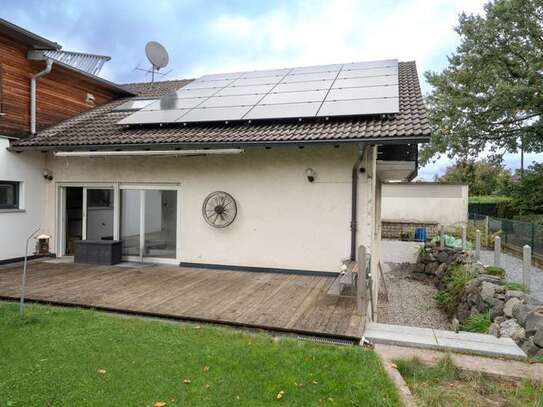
pixel 106 252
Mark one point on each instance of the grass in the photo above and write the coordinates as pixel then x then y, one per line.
pixel 456 279
pixel 74 357
pixel 494 271
pixel 516 287
pixel 444 385
pixel 478 323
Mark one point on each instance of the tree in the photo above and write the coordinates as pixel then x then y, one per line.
pixel 490 97
pixel 528 191
pixel 482 177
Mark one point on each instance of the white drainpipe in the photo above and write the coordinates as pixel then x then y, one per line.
pixel 33 84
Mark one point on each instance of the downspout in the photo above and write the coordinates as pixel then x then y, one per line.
pixel 33 83
pixel 354 200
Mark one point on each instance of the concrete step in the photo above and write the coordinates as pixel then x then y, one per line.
pixel 448 341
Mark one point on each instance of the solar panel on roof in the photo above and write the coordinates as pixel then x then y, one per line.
pixel 214 114
pixel 294 97
pixel 287 111
pixel 226 101
pixel 154 116
pixel 356 107
pixel 360 88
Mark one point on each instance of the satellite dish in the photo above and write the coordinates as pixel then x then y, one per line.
pixel 156 54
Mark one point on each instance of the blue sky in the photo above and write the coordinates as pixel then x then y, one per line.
pixel 220 36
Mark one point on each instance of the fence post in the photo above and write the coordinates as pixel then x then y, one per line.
pixel 477 245
pixel 464 236
pixel 441 237
pixel 498 251
pixel 361 297
pixel 526 265
pixel 486 232
pixel 533 235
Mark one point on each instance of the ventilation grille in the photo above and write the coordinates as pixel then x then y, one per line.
pixel 330 341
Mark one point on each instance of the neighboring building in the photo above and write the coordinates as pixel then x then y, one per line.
pixel 408 206
pixel 65 85
pixel 307 190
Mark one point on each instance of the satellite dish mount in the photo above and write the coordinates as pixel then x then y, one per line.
pixel 157 56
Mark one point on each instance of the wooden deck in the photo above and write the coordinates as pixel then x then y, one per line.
pixel 280 302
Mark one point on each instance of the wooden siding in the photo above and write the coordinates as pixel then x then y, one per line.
pixel 60 95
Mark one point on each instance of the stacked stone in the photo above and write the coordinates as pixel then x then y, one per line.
pixel 509 310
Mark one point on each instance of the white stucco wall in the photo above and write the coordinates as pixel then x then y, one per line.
pixel 15 226
pixel 283 220
pixel 446 204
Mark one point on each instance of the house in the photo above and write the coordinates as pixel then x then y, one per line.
pixel 40 85
pixel 281 188
pixel 407 206
pixel 250 178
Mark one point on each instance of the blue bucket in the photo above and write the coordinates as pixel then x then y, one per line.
pixel 420 234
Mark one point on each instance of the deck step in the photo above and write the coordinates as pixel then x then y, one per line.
pixel 449 341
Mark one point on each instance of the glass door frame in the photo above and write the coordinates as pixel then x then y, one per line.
pixel 60 214
pixel 60 225
pixel 143 187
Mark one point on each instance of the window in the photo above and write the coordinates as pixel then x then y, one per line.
pixel 9 195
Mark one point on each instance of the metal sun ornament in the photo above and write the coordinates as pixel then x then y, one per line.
pixel 219 209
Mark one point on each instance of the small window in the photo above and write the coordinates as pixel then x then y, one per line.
pixel 9 195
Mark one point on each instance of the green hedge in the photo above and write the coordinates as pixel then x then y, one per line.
pixel 496 206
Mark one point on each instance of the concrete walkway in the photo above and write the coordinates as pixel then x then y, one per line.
pixel 448 341
pixel 513 269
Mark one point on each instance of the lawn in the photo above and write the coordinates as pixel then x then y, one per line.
pixel 444 385
pixel 67 357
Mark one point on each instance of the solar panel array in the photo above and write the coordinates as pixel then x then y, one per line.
pixel 361 88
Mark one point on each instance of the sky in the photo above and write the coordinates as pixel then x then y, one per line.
pixel 204 37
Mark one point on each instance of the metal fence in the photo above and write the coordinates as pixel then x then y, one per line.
pixel 514 234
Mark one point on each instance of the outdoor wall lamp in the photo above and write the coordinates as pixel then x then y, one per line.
pixel 311 174
pixel 47 174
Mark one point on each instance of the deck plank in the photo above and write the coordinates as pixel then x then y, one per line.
pixel 287 302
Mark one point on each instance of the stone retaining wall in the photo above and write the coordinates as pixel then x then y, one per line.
pixel 509 310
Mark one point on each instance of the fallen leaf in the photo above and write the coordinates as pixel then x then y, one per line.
pixel 205 369
pixel 159 404
pixel 394 365
pixel 207 386
pixel 315 382
pixel 280 395
pixel 186 381
pixel 101 371
pixel 330 399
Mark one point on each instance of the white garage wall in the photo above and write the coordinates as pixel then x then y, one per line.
pixel 283 220
pixel 15 226
pixel 446 204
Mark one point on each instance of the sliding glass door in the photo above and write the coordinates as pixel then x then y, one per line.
pixel 149 223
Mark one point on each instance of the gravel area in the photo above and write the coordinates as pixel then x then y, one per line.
pixel 410 300
pixel 513 269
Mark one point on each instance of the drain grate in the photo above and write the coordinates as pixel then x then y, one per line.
pixel 330 341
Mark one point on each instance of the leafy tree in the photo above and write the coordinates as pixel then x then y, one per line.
pixel 482 177
pixel 490 96
pixel 528 191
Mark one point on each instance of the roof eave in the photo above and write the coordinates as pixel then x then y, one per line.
pixel 162 146
pixel 26 37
